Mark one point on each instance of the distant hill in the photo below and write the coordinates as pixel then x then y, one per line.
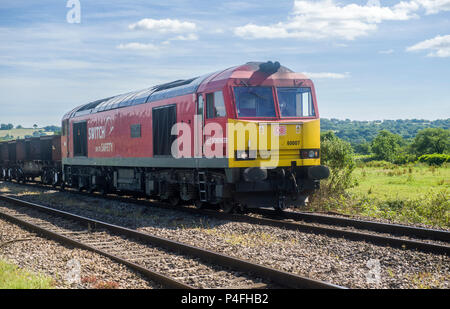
pixel 357 132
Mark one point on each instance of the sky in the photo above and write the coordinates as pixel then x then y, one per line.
pixel 369 60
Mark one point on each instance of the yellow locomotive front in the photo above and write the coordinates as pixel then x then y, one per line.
pixel 273 142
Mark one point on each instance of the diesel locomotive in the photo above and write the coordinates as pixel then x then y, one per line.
pixel 247 136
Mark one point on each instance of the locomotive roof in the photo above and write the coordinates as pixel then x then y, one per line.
pixel 166 91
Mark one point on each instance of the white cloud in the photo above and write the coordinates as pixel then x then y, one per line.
pixel 189 37
pixel 439 46
pixel 323 75
pixel 434 6
pixel 329 19
pixel 164 25
pixel 325 19
pixel 386 52
pixel 139 46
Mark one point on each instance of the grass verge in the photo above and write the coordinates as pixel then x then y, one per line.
pixel 11 277
pixel 414 193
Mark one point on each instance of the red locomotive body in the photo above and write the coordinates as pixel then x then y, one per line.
pixel 131 141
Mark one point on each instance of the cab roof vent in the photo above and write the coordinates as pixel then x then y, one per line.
pixel 269 67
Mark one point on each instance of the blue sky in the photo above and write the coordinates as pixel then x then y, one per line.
pixel 369 60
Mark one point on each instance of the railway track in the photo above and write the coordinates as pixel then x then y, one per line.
pixel 383 234
pixel 141 251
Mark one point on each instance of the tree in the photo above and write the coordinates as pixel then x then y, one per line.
pixel 387 146
pixel 431 140
pixel 19 127
pixel 338 156
pixel 363 148
pixel 35 126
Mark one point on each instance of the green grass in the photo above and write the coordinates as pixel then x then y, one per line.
pixel 413 193
pixel 11 277
pixel 403 182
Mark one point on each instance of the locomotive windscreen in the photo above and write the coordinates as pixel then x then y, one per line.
pixel 164 119
pixel 255 101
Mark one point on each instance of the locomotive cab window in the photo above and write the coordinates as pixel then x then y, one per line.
pixel 215 105
pixel 295 102
pixel 255 102
pixel 200 105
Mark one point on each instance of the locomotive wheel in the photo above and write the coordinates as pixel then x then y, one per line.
pixel 199 204
pixel 55 179
pixel 174 200
pixel 227 207
pixel 102 189
pixel 281 205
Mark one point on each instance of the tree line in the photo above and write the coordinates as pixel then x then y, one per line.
pixel 361 133
pixel 430 145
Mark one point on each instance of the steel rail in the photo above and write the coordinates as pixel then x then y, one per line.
pixel 309 228
pixel 152 275
pixel 381 227
pixel 279 277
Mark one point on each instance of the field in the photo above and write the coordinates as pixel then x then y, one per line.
pixel 21 133
pixel 11 277
pixel 389 181
pixel 414 193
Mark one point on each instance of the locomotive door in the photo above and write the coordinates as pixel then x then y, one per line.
pixel 80 139
pixel 214 129
pixel 199 120
pixel 163 119
pixel 65 138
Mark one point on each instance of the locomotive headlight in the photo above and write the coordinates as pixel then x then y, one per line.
pixel 309 153
pixel 245 155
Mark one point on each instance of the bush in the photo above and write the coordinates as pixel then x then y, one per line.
pixel 432 209
pixel 381 164
pixel 434 159
pixel 338 156
pixel 404 158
